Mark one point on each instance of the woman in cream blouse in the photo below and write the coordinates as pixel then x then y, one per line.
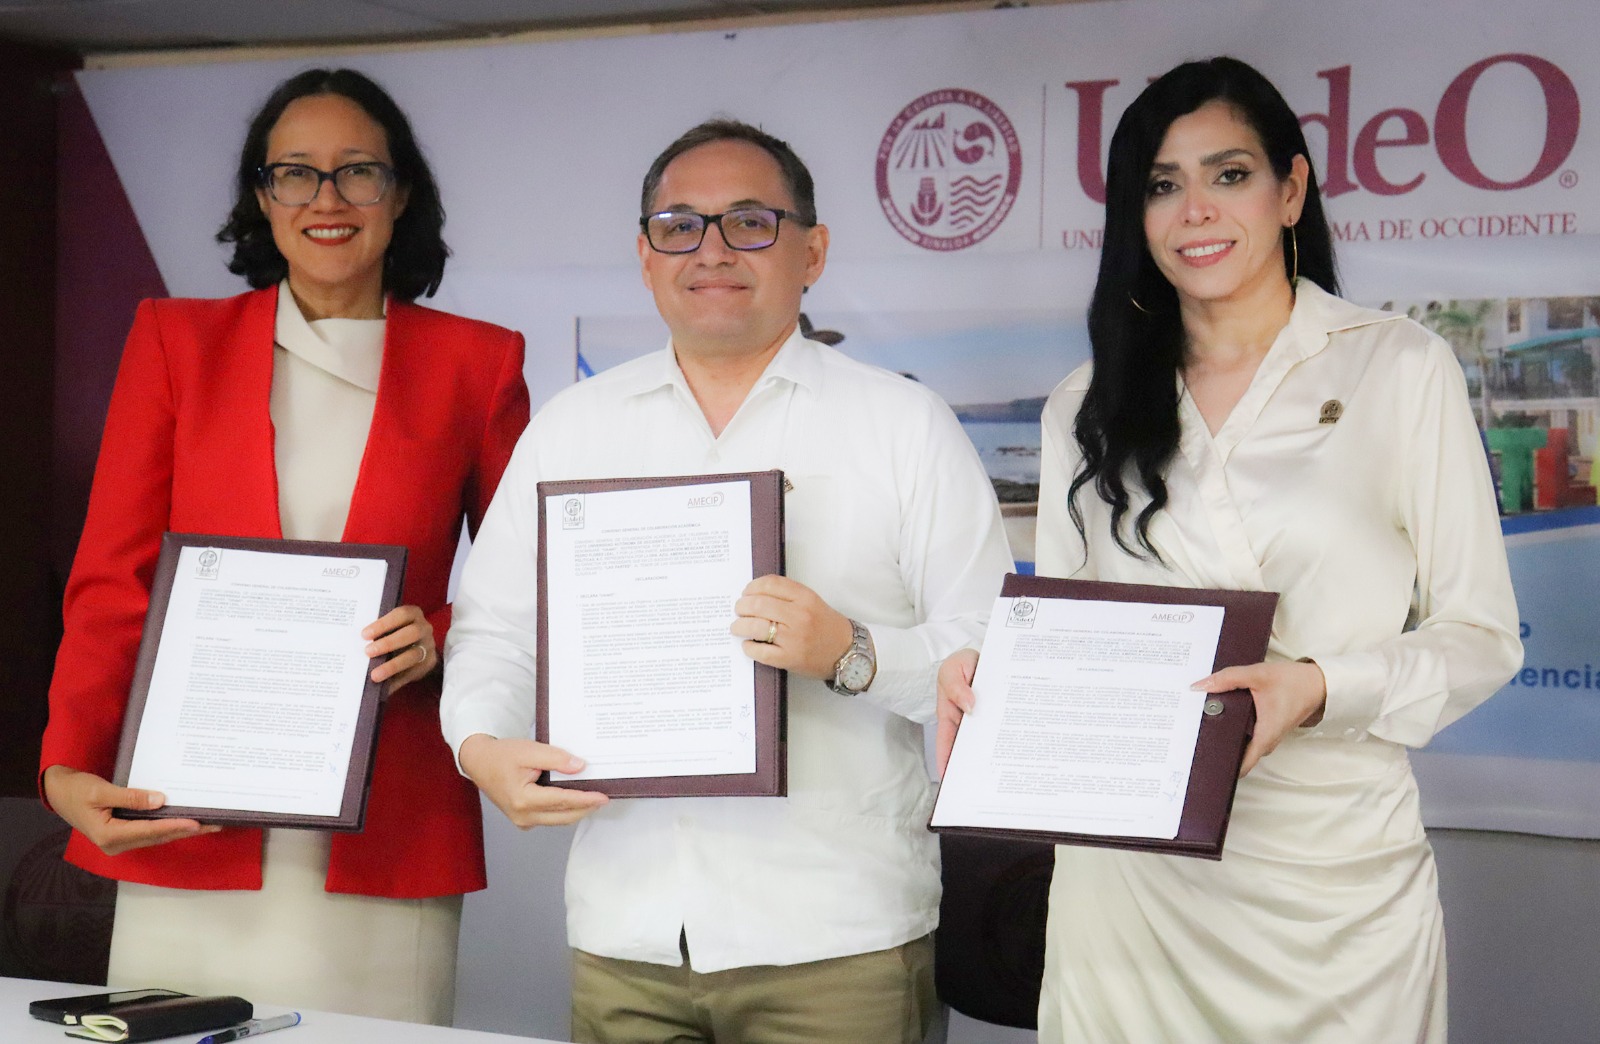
pixel 1241 427
pixel 321 406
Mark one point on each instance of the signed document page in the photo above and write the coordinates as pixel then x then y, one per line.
pixel 258 681
pixel 645 679
pixel 1085 721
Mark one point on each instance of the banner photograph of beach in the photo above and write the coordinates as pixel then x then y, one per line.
pixel 994 369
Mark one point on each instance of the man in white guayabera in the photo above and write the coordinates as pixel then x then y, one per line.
pixel 804 918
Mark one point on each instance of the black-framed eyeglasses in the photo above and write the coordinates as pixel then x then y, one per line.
pixel 744 228
pixel 296 184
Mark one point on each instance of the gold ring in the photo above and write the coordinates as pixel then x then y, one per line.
pixel 772 632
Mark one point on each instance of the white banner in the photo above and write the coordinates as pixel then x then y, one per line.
pixel 958 161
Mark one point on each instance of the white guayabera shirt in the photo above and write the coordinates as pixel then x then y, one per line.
pixel 892 521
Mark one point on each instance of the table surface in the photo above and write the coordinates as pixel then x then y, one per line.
pixel 316 1027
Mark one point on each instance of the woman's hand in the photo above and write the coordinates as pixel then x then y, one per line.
pixel 507 771
pixel 85 801
pixel 956 700
pixel 407 630
pixel 1287 695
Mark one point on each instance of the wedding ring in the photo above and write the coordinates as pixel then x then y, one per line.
pixel 772 632
pixel 424 657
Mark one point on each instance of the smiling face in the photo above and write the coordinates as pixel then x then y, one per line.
pixel 1215 210
pixel 334 250
pixel 723 303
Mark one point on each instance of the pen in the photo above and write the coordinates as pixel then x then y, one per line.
pixel 251 1028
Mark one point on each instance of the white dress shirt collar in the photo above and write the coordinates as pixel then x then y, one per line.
pixel 796 362
pixel 1317 314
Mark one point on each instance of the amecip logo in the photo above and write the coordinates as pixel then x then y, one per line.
pixel 948 169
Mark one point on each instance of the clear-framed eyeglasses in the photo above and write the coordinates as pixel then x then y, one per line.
pixel 747 228
pixel 358 184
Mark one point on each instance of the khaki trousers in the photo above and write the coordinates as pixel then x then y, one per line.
pixel 885 997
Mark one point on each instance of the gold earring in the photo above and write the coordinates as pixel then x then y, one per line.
pixel 1135 302
pixel 1294 249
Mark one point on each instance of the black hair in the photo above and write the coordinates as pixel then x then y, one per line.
pixel 1127 426
pixel 794 172
pixel 413 265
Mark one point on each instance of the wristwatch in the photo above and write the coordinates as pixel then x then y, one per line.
pixel 859 664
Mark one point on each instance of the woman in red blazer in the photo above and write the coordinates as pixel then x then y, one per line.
pixel 214 427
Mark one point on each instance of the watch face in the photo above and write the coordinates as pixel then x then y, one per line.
pixel 855 673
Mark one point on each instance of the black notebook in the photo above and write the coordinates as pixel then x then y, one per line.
pixel 162 1017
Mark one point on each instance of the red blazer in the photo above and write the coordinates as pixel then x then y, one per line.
pixel 188 447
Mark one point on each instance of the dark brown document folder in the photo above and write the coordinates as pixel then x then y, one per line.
pixel 1224 734
pixel 358 777
pixel 770 778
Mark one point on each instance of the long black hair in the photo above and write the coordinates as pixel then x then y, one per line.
pixel 413 265
pixel 1127 426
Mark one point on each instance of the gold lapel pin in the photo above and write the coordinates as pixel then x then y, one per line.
pixel 1331 411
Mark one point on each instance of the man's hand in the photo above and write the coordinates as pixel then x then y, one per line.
pixel 85 801
pixel 786 625
pixel 508 770
pixel 956 700
pixel 1287 695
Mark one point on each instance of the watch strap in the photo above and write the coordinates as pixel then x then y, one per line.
pixel 861 648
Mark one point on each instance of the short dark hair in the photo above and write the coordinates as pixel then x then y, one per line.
pixel 1127 426
pixel 413 265
pixel 795 174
